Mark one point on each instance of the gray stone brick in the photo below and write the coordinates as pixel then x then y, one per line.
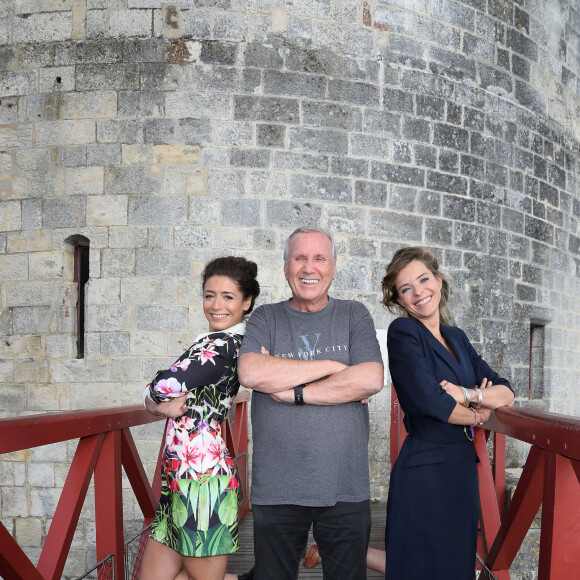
pixel 140 104
pixel 107 154
pixel 241 212
pixel 426 156
pixel 284 160
pixel 319 140
pixel 194 130
pixel 402 152
pixel 162 262
pixel 96 77
pixel 331 115
pixel 149 209
pixel 404 51
pixel 402 198
pixel 438 33
pixel 416 129
pixel 228 79
pixel 448 161
pixel 429 203
pixel 160 131
pixel 495 80
pixel 470 237
pixel 420 82
pixel 162 317
pixel 382 123
pixel 64 212
pixel 118 262
pixel 192 237
pixel 114 343
pixel 458 208
pixel 447 183
pixel 203 106
pixel 292 214
pixel 266 109
pixel 438 232
pixel 512 220
pixel 369 146
pixel 270 135
pixel 354 92
pixel 130 180
pixel 197 24
pixel 218 52
pixel 127 237
pixel 370 193
pixel 450 136
pixel 363 247
pixel 347 166
pixel 321 188
pixel 250 158
pixel 294 84
pixel 42 27
pixel 344 219
pixel 397 21
pixel 225 182
pixel 397 174
pixel 233 133
pixel 342 39
pixel 120 131
pixel 454 13
pixel 530 97
pixel 451 64
pixel 396 226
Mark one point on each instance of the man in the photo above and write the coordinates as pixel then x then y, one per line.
pixel 311 361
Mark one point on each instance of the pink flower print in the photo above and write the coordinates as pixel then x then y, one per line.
pixel 168 386
pixel 180 365
pixel 208 354
pixel 191 459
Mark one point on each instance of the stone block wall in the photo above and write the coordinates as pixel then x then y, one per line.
pixel 165 134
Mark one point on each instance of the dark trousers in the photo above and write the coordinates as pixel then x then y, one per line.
pixel 342 532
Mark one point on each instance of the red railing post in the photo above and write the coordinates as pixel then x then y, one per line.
pixel 560 519
pixel 109 503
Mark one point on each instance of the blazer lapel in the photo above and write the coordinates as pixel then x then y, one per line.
pixel 453 363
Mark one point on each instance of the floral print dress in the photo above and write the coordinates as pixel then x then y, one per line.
pixel 197 513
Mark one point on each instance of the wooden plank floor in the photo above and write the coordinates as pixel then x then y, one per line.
pixel 243 560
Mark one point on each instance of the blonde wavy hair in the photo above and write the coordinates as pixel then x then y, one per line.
pixel 402 258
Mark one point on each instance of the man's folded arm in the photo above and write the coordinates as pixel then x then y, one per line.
pixel 271 374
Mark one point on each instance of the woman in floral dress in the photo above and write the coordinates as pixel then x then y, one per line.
pixel 196 525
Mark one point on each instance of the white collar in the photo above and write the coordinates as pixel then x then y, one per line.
pixel 239 328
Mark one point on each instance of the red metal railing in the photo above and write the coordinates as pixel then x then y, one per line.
pixel 105 447
pixel 550 478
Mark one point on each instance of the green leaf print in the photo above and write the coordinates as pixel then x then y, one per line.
pixel 214 492
pixel 160 529
pixel 228 510
pixel 178 506
pixel 203 508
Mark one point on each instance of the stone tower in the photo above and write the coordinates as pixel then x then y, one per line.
pixel 138 139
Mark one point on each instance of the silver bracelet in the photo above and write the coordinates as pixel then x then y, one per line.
pixel 466 396
pixel 479 398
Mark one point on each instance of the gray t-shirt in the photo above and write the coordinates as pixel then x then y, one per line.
pixel 311 455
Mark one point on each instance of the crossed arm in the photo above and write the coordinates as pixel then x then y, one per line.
pixel 329 382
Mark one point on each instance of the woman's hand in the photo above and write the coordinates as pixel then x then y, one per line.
pixel 173 409
pixel 454 391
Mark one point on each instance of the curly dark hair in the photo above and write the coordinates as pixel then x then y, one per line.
pixel 243 272
pixel 402 258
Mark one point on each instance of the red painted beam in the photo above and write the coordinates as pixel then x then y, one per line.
pixel 551 431
pixel 14 563
pixel 66 516
pixel 35 430
pixel 560 533
pixel 109 503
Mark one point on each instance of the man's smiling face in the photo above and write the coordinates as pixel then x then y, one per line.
pixel 309 270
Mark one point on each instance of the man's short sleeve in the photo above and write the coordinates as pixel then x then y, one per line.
pixel 364 346
pixel 257 332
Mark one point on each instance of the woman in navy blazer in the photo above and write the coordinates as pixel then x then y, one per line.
pixel 444 388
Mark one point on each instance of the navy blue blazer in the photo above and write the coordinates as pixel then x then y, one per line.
pixel 418 362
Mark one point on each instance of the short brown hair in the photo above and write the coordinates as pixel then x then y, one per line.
pixel 401 259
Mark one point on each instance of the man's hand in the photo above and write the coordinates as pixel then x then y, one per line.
pixel 286 396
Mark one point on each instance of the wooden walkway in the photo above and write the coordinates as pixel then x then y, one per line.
pixel 243 560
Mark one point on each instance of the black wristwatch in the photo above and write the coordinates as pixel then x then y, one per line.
pixel 298 398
